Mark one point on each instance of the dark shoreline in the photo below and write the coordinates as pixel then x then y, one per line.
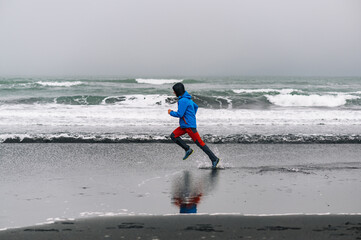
pixel 195 227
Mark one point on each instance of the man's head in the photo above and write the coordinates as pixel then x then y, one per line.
pixel 178 89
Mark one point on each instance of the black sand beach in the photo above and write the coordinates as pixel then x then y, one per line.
pixel 95 191
pixel 196 227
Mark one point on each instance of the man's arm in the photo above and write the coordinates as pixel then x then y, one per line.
pixel 181 110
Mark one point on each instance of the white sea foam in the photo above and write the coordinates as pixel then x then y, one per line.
pixel 141 101
pixel 158 81
pixel 24 118
pixel 21 137
pixel 229 101
pixel 265 90
pixel 144 100
pixel 60 84
pixel 288 100
pixel 80 136
pixel 104 214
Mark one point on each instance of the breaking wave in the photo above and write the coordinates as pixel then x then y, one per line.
pixel 204 101
pixel 158 81
pixel 277 91
pixel 298 98
pixel 60 84
pixel 39 85
pixel 288 100
pixel 136 100
pixel 119 138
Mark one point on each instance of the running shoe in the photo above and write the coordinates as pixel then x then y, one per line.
pixel 188 153
pixel 215 163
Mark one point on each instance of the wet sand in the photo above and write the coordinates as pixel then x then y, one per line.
pixel 84 183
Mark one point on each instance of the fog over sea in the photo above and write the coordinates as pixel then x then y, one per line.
pixel 232 109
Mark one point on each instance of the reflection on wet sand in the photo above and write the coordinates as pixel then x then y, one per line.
pixel 188 191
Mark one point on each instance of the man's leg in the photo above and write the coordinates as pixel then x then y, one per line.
pixel 175 136
pixel 193 133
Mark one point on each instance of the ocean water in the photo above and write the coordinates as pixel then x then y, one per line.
pixel 232 109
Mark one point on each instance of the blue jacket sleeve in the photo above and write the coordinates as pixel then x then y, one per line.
pixel 195 107
pixel 182 106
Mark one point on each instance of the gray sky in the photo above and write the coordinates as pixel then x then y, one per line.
pixel 183 37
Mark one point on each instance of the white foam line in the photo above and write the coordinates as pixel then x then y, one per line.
pixel 4 229
pixel 48 221
pixel 267 90
pixel 60 84
pixel 104 214
pixel 60 219
pixel 158 81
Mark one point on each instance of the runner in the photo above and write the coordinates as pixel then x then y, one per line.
pixel 186 113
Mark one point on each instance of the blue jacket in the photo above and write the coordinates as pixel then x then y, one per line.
pixel 186 113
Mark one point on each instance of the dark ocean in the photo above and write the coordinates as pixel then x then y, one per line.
pixel 232 109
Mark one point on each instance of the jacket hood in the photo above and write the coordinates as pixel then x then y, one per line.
pixel 185 95
pixel 179 89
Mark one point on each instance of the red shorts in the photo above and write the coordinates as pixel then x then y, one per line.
pixel 192 132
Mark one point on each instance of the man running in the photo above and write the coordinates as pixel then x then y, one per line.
pixel 186 113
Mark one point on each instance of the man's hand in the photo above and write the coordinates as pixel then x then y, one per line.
pixel 169 110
